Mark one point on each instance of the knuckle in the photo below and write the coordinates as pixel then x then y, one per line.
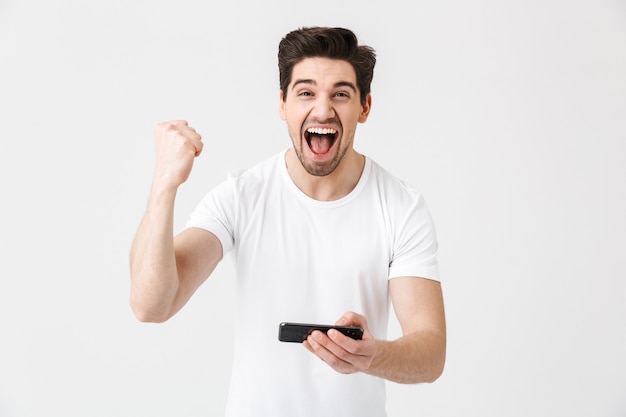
pixel 161 126
pixel 333 361
pixel 343 355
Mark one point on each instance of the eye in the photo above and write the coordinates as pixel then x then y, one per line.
pixel 342 94
pixel 305 94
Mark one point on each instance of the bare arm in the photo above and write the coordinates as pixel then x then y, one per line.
pixel 166 271
pixel 417 356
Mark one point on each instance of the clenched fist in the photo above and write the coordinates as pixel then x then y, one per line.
pixel 177 144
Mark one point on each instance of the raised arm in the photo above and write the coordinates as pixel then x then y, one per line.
pixel 166 270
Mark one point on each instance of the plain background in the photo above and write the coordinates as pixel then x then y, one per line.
pixel 509 116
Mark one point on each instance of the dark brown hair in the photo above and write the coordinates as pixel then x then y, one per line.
pixel 326 42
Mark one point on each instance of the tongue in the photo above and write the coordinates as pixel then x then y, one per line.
pixel 320 144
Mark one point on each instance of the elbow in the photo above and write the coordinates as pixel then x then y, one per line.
pixel 149 304
pixel 437 362
pixel 145 316
pixel 148 314
pixel 429 371
pixel 436 369
pixel 434 374
pixel 422 376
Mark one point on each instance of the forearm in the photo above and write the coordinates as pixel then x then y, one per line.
pixel 154 277
pixel 413 358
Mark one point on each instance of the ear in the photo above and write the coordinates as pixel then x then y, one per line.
pixel 281 106
pixel 365 109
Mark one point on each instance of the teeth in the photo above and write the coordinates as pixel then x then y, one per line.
pixel 321 131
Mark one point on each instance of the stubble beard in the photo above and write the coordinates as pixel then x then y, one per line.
pixel 321 169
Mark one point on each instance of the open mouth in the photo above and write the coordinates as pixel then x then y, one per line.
pixel 319 139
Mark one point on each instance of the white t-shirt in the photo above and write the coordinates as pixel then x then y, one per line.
pixel 302 260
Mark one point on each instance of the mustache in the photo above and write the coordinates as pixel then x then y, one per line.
pixel 315 121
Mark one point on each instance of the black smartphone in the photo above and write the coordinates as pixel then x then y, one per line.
pixel 298 332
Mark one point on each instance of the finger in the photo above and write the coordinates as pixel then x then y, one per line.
pixel 165 126
pixel 198 146
pixel 191 142
pixel 191 134
pixel 350 318
pixel 320 350
pixel 326 348
pixel 342 346
pixel 185 135
pixel 176 127
pixel 193 138
pixel 347 344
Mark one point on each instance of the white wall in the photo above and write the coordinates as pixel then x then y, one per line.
pixel 509 116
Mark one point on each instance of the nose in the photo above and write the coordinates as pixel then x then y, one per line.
pixel 323 109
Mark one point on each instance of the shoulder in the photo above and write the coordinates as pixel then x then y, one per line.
pixel 391 187
pixel 257 174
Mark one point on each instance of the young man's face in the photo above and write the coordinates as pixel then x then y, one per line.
pixel 322 110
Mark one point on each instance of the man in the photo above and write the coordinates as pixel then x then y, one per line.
pixel 319 233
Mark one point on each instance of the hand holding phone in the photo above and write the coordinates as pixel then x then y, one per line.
pixel 298 332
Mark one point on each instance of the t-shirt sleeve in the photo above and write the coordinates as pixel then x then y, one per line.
pixel 415 243
pixel 215 213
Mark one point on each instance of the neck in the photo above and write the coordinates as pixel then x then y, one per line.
pixel 330 187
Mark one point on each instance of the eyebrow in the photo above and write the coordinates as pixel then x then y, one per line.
pixel 337 84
